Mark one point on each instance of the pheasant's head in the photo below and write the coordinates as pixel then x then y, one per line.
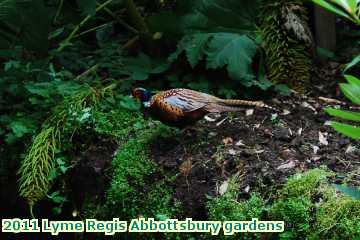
pixel 142 94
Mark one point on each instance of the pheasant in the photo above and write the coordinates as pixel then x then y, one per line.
pixel 182 107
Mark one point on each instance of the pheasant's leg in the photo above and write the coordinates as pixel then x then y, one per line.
pixel 182 141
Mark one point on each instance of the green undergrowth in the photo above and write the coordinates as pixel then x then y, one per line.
pixel 310 207
pixel 138 186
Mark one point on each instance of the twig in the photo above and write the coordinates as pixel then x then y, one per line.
pixel 120 21
pixel 77 28
pixel 331 100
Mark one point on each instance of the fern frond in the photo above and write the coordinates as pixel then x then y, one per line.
pixel 35 169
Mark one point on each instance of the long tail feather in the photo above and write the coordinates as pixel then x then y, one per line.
pixel 220 107
pixel 235 102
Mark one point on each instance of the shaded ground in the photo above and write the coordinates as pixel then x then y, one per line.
pixel 262 148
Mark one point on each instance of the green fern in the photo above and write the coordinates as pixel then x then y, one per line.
pixel 288 58
pixel 35 169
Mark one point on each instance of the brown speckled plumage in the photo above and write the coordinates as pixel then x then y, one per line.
pixel 181 107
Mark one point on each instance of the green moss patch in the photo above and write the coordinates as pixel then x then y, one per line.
pixel 308 204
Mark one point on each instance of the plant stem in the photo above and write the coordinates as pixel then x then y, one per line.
pixel 135 16
pixel 120 21
pixel 91 30
pixel 140 25
pixel 77 28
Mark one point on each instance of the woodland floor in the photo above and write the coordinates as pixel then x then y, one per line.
pixel 263 148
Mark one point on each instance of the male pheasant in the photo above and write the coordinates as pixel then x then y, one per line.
pixel 181 107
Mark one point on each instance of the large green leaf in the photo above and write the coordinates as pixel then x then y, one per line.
pixel 352 116
pixel 194 46
pixel 236 52
pixel 352 89
pixel 330 7
pixel 344 8
pixel 352 80
pixel 354 62
pixel 346 129
pixel 140 67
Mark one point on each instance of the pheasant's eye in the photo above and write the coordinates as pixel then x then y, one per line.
pixel 137 94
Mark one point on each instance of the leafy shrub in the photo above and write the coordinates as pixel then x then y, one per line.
pixel 348 9
pixel 351 91
pixel 223 33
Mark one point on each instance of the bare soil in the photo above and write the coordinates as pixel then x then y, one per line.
pixel 263 148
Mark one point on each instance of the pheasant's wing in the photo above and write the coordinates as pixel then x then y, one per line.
pixel 185 99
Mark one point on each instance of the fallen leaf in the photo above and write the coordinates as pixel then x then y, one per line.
pixel 307 105
pixel 186 167
pixel 259 151
pixel 315 149
pixel 232 152
pixel 228 141
pixel 223 187
pixel 274 116
pixel 322 139
pixel 268 132
pixel 299 131
pixel 285 112
pixel 249 112
pixel 221 122
pixel 290 164
pixel 212 134
pixel 327 123
pixel 209 119
pixel 331 100
pixel 240 143
pixel 350 149
pixel 290 132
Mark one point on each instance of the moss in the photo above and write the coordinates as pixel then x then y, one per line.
pixel 227 208
pixel 305 185
pixel 310 207
pixel 338 216
pixel 121 124
pixel 138 187
pixel 296 213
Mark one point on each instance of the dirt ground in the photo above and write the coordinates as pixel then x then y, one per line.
pixel 263 147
